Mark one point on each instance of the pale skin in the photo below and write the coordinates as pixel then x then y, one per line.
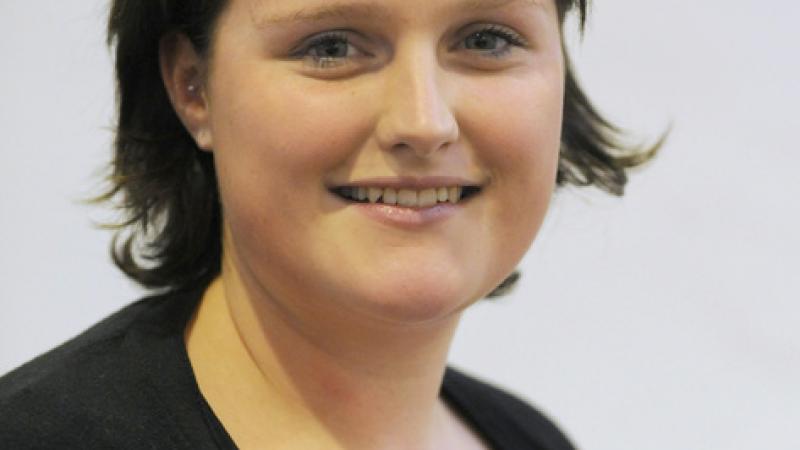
pixel 327 329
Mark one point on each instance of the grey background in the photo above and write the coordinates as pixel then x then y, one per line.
pixel 664 320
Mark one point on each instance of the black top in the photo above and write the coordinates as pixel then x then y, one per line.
pixel 127 383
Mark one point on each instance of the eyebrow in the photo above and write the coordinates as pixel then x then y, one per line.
pixel 370 10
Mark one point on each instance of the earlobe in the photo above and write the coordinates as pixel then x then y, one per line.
pixel 183 73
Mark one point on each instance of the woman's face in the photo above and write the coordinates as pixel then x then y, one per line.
pixel 310 99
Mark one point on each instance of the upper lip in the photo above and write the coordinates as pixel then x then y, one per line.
pixel 410 182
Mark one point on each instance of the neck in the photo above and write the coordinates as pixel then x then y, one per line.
pixel 357 382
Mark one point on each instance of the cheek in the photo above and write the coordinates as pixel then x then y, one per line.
pixel 287 129
pixel 275 139
pixel 275 143
pixel 520 134
pixel 519 131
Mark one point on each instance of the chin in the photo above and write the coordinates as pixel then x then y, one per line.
pixel 417 300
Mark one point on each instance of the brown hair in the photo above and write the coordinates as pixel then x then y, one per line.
pixel 166 187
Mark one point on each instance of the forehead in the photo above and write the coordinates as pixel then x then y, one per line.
pixel 267 13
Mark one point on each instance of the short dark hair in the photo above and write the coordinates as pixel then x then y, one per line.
pixel 170 237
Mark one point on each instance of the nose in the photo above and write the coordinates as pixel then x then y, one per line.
pixel 416 115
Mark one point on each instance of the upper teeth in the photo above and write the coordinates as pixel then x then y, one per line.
pixel 405 197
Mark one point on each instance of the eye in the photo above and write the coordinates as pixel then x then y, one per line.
pixel 329 50
pixel 486 40
pixel 334 49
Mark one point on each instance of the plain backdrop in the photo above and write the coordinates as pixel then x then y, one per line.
pixel 667 319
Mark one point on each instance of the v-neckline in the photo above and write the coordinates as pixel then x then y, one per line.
pixel 459 405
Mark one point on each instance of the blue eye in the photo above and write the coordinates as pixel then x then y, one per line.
pixel 333 49
pixel 486 39
pixel 328 50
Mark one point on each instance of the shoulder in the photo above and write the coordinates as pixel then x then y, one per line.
pixel 85 393
pixel 505 418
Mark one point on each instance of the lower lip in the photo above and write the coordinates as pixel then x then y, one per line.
pixel 405 217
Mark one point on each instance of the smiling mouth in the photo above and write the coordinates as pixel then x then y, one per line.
pixel 410 198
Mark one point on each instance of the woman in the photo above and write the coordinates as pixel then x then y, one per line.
pixel 318 189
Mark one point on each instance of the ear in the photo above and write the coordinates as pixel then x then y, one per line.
pixel 183 72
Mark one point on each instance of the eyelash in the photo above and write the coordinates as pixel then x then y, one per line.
pixel 513 39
